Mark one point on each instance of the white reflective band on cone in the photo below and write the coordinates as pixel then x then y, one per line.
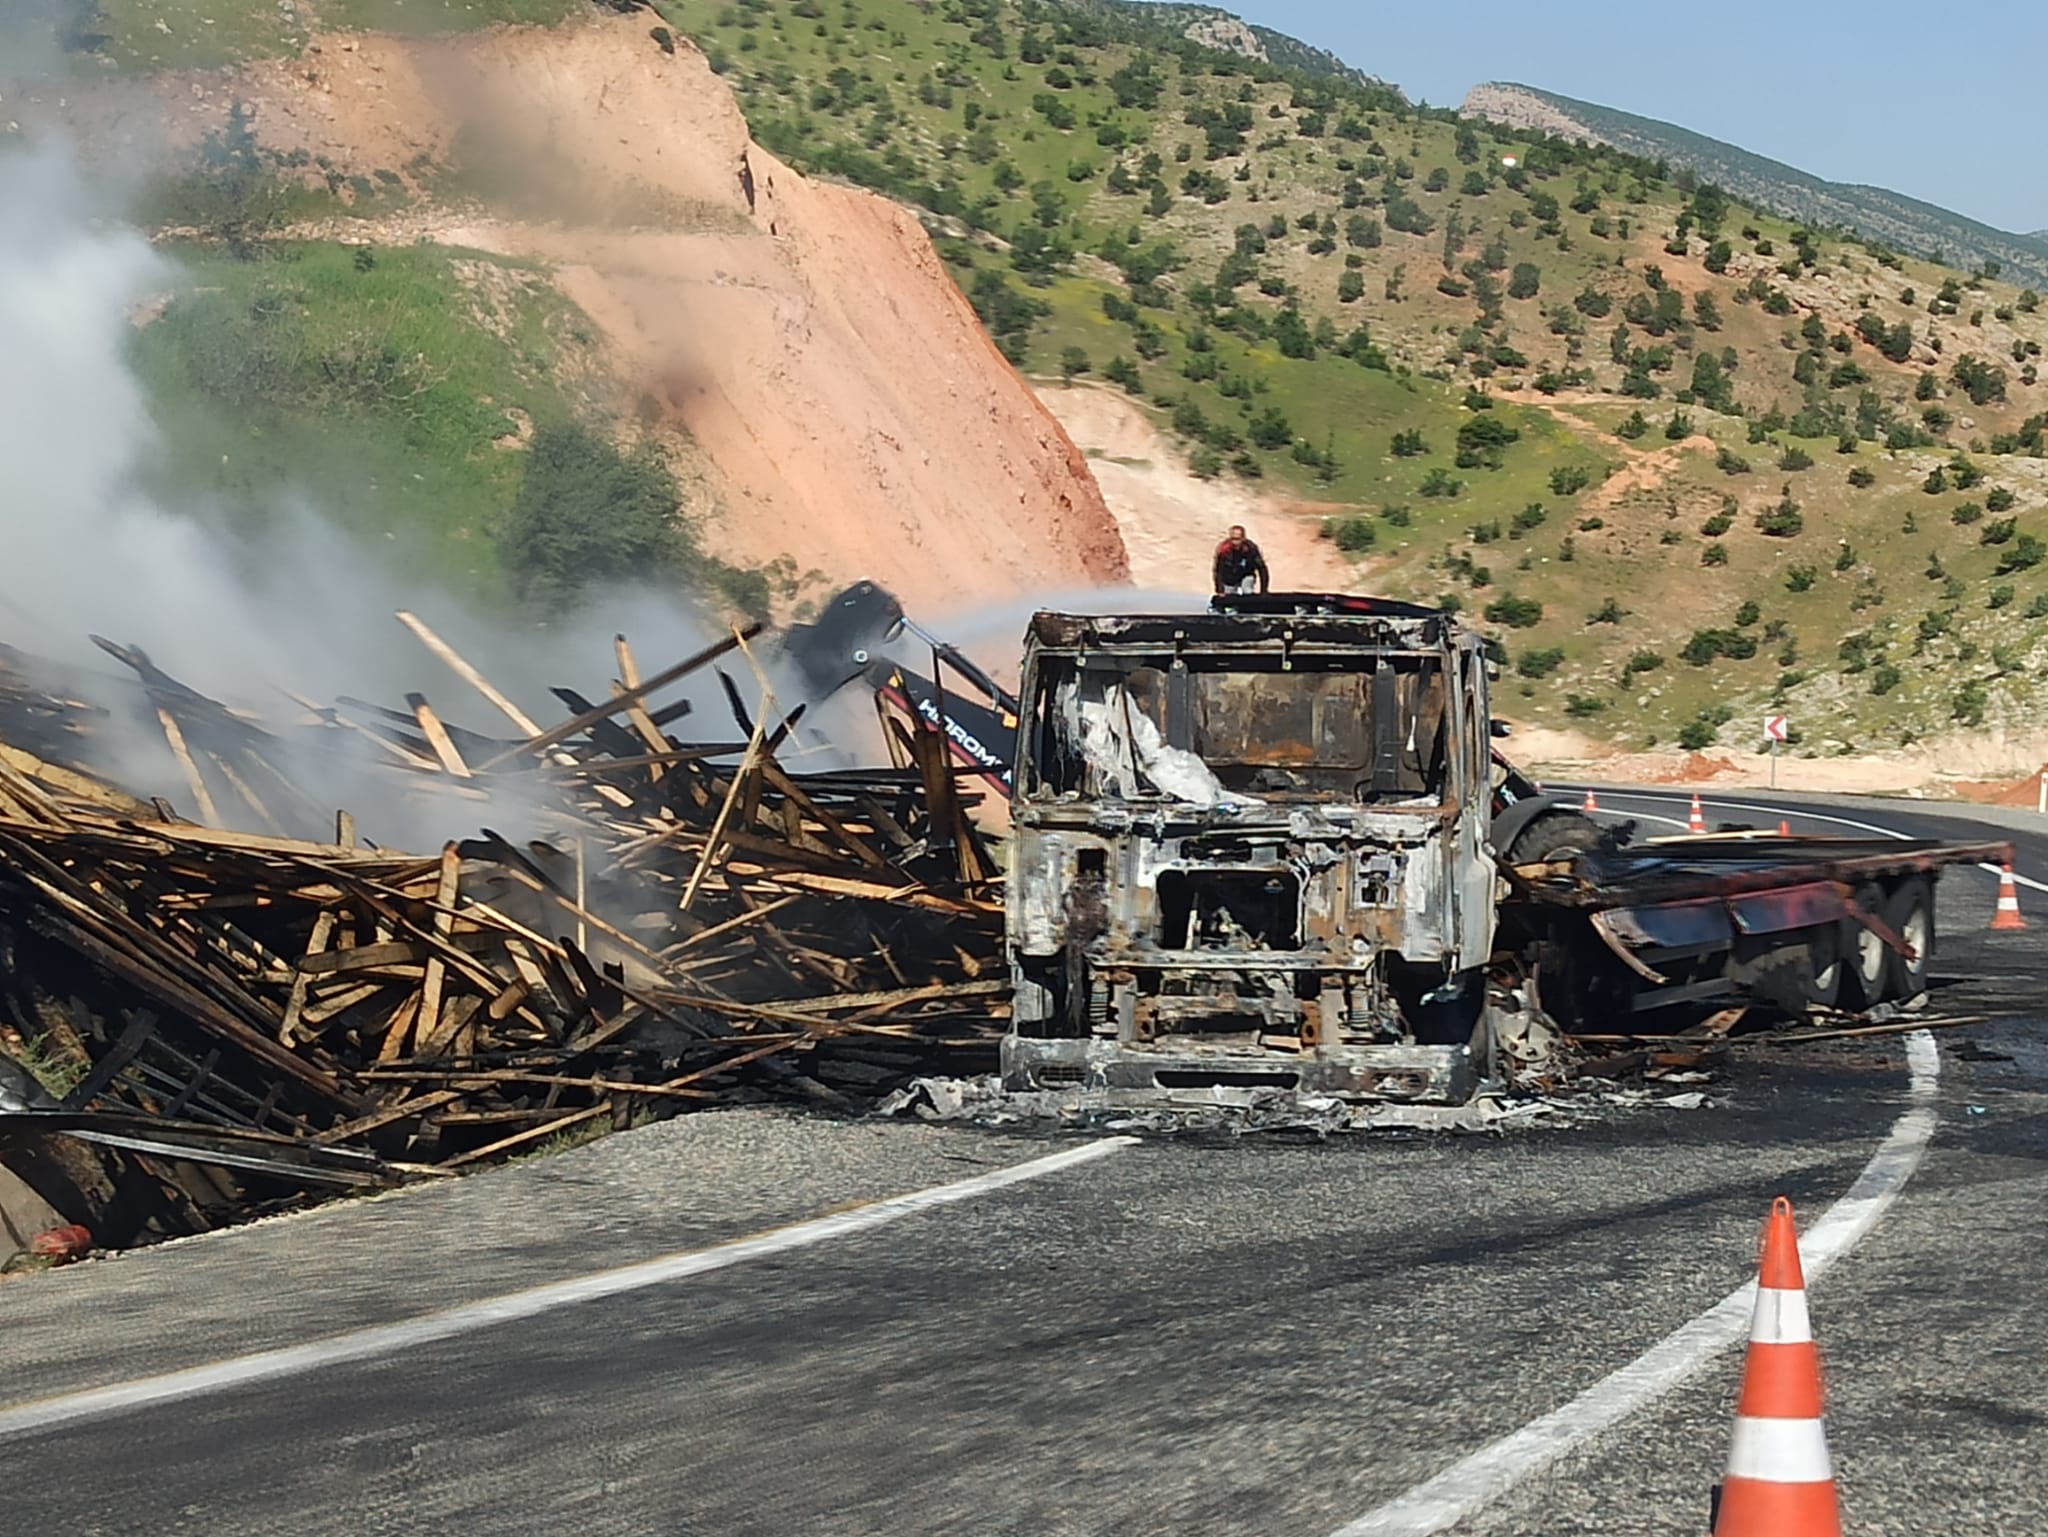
pixel 1780 1451
pixel 1780 1318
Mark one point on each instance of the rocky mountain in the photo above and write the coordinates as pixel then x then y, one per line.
pixel 1876 214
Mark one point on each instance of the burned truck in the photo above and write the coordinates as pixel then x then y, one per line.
pixel 1270 846
pixel 1251 848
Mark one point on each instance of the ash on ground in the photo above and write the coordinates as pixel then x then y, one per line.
pixel 1236 1113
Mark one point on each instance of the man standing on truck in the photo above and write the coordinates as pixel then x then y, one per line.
pixel 1239 564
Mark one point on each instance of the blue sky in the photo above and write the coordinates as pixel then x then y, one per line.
pixel 1941 102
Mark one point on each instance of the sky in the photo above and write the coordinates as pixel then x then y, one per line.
pixel 1942 102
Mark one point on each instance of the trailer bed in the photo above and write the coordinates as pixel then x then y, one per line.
pixel 1706 866
pixel 1698 919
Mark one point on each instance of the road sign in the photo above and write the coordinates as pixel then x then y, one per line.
pixel 1778 728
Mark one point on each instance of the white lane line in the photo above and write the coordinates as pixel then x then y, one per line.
pixel 2019 879
pixel 1474 1482
pixel 1642 816
pixel 1775 811
pixel 1796 811
pixel 387 1339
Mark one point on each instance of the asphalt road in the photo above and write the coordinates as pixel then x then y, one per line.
pixel 1268 1337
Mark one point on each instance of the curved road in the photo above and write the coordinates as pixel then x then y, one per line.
pixel 1096 1337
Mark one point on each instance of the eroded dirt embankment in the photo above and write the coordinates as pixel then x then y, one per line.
pixel 1172 520
pixel 800 341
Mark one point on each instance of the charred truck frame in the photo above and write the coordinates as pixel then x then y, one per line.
pixel 1269 846
pixel 1249 848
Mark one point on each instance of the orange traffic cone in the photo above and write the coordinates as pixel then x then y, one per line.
pixel 2008 915
pixel 1591 805
pixel 1780 1482
pixel 1697 822
pixel 1784 828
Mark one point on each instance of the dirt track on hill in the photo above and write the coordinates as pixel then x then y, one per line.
pixel 1171 520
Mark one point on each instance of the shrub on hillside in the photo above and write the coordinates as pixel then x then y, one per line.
pixel 1482 440
pixel 1704 646
pixel 1782 521
pixel 588 515
pixel 1514 612
pixel 2025 553
pixel 1350 534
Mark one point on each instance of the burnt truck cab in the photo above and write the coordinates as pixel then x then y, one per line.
pixel 1251 848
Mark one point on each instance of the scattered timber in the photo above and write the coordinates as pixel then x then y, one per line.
pixel 249 1004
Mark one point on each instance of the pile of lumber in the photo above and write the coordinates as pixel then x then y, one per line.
pixel 694 923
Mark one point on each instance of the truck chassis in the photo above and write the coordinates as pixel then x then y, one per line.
pixel 1269 847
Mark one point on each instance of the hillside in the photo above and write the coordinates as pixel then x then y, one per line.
pixel 1876 214
pixel 1672 454
pixel 1684 463
pixel 794 353
pixel 1213 27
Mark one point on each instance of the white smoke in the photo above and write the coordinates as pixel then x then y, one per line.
pixel 244 616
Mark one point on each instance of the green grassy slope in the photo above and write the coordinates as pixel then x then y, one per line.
pixel 147 35
pixel 389 392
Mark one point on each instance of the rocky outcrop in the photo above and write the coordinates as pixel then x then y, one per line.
pixel 1517 108
pixel 1228 34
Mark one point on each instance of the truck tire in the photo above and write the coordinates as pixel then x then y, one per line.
pixel 1778 973
pixel 1910 912
pixel 1867 957
pixel 1552 836
pixel 1827 966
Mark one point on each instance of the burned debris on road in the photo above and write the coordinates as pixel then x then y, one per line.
pixel 1262 858
pixel 237 1018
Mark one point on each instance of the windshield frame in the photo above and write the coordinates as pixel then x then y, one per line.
pixel 1427 683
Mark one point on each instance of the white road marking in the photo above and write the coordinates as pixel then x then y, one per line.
pixel 387 1339
pixel 2018 879
pixel 1474 1482
pixel 1643 816
pixel 1792 811
pixel 1775 811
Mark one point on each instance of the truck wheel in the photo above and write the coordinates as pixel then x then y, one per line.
pixel 1868 957
pixel 1826 966
pixel 1777 976
pixel 1910 912
pixel 1552 836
